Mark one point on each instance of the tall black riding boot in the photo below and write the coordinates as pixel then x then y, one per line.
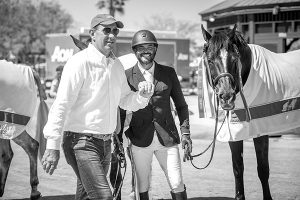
pixel 144 196
pixel 179 195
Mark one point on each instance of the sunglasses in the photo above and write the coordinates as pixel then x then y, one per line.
pixel 113 31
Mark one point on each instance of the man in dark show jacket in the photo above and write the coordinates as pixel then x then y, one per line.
pixel 152 130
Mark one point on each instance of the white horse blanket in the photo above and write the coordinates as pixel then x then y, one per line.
pixel 18 100
pixel 272 92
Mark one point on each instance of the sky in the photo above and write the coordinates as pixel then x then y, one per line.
pixel 136 11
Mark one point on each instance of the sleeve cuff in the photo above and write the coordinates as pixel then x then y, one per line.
pixel 53 144
pixel 142 99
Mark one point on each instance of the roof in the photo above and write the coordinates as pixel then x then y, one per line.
pixel 235 5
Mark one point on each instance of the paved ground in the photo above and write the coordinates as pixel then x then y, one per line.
pixel 214 183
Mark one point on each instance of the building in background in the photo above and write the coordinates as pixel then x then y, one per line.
pixel 172 51
pixel 274 25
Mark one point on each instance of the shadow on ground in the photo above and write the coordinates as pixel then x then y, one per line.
pixel 71 197
pixel 59 197
pixel 206 198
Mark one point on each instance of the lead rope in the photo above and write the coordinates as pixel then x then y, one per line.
pixel 213 143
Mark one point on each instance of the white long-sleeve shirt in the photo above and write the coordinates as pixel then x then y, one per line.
pixel 90 91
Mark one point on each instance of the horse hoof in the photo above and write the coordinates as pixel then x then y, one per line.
pixel 36 196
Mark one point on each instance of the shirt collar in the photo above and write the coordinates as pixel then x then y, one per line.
pixel 151 70
pixel 97 55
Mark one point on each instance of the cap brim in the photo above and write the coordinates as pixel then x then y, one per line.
pixel 118 23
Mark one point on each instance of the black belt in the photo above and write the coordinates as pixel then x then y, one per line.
pixel 14 118
pixel 104 137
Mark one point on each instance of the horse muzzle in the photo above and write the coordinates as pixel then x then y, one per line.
pixel 227 100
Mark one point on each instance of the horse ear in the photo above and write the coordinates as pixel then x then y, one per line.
pixel 78 43
pixel 205 34
pixel 232 32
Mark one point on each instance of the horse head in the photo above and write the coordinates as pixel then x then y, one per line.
pixel 224 64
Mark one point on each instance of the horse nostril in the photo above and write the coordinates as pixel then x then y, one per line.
pixel 225 96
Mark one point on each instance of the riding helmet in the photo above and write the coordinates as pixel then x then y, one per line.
pixel 143 37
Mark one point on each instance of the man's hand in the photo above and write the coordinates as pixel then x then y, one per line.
pixel 50 160
pixel 146 89
pixel 187 146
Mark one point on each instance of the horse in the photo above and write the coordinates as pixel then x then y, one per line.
pixel 21 117
pixel 258 91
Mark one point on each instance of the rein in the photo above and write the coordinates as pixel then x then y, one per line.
pixel 121 164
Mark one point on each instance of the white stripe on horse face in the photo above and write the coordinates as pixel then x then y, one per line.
pixel 223 55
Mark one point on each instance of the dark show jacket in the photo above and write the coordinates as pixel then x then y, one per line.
pixel 157 114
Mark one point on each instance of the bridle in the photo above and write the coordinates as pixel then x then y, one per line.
pixel 213 82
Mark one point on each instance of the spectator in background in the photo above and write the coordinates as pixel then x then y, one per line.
pixel 56 81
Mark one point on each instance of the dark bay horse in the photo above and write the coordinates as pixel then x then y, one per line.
pixel 20 116
pixel 258 88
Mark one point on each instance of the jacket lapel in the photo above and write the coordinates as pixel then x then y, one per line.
pixel 156 75
pixel 137 76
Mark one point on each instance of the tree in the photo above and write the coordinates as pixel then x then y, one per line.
pixel 183 28
pixel 24 25
pixel 112 5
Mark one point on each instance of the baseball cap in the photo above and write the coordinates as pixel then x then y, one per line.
pixel 105 19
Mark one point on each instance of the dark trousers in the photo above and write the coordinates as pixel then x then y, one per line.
pixel 90 159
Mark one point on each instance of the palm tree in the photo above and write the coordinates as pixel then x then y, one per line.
pixel 112 5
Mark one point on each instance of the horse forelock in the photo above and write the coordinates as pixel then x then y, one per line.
pixel 218 41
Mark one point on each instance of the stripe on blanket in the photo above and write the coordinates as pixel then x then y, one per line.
pixel 14 118
pixel 266 110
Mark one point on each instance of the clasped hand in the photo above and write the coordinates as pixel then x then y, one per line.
pixel 146 89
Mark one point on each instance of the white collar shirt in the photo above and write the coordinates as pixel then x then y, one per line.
pixel 90 91
pixel 148 74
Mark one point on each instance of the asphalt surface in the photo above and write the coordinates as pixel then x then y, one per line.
pixel 214 183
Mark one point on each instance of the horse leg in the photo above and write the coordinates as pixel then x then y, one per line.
pixel 30 146
pixel 261 145
pixel 6 155
pixel 236 148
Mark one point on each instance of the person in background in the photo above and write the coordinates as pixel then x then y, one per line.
pixel 84 113
pixel 56 81
pixel 152 130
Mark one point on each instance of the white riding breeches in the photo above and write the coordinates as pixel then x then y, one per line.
pixel 169 160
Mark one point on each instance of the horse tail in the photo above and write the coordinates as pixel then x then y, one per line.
pixel 42 115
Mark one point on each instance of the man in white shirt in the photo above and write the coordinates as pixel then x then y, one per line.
pixel 93 85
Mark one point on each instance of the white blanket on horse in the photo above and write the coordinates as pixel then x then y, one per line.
pixel 18 99
pixel 272 92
